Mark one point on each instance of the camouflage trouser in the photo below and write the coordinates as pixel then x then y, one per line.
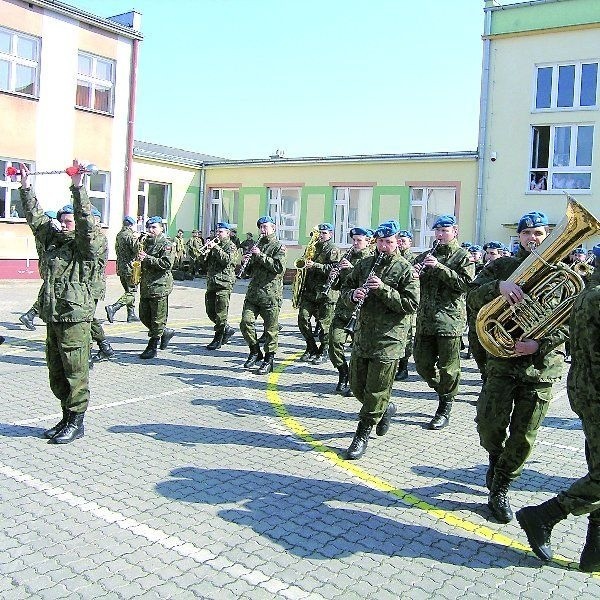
pixel 437 360
pixel 322 311
pixel 270 315
pixel 337 340
pixel 371 383
pixel 153 314
pixel 408 350
pixel 509 414
pixel 217 306
pixel 128 298
pixel 584 494
pixel 67 353
pixel 96 330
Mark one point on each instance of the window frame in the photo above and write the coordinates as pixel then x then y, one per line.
pixel 274 199
pixel 7 183
pixel 96 82
pixel 14 60
pixel 215 209
pixel 343 240
pixel 103 196
pixel 145 194
pixel 426 236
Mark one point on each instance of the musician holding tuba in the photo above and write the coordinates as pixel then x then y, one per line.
pixel 337 335
pixel 515 398
pixel 445 275
pixel 314 301
pixel 387 293
pixel 126 248
pixel 220 256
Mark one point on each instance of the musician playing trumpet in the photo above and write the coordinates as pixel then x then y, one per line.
pixel 388 293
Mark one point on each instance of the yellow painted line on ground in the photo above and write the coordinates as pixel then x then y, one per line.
pixel 383 486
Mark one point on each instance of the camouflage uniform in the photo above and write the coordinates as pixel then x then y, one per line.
pixel 179 247
pixel 313 302
pixel 408 255
pixel 264 293
pixel 380 332
pixel 98 283
pixel 156 284
pixel 518 390
pixel 66 302
pixel 126 247
pixel 193 246
pixel 441 319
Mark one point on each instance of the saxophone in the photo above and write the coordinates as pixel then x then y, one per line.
pixel 550 288
pixel 136 265
pixel 300 264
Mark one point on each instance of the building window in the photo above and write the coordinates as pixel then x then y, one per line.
pixel 19 62
pixel 284 208
pixel 567 86
pixel 95 83
pixel 561 157
pixel 352 208
pixel 224 205
pixel 153 199
pixel 426 205
pixel 97 186
pixel 11 208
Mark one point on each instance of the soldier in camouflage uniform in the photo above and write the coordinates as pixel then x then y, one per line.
pixel 98 287
pixel 266 262
pixel 442 316
pixel 389 294
pixel 342 313
pixel 517 391
pixel 126 248
pixel 157 256
pixel 313 302
pixel 404 246
pixel 583 383
pixel 220 259
pixel 66 302
pixel 179 246
pixel 193 247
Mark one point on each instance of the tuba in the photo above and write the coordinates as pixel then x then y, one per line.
pixel 549 288
pixel 300 264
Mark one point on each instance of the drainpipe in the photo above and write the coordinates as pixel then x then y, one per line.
pixel 130 123
pixel 483 114
pixel 201 198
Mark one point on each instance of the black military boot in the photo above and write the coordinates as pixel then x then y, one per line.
pixel 442 414
pixel 227 334
pixel 311 350
pixel 498 499
pixel 111 310
pixel 359 443
pixel 165 338
pixel 131 316
pixel 72 431
pixel 343 378
pixel 384 423
pixel 489 476
pixel 402 372
pixel 150 351
pixel 105 351
pixel 349 393
pixel 590 556
pixel 267 364
pixel 28 317
pixel 255 356
pixel 537 522
pixel 217 341
pixel 50 433
pixel 321 357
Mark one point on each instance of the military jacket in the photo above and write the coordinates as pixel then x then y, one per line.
pixel 408 255
pixel 98 281
pixel 68 259
pixel 193 245
pixel 179 245
pixel 126 248
pixel 442 310
pixel 546 365
pixel 342 308
pixel 220 266
pixel 157 279
pixel 326 256
pixel 266 270
pixel 382 326
pixel 583 381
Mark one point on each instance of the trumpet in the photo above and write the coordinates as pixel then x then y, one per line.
pixel 335 272
pixel 246 260
pixel 419 267
pixel 208 246
pixel 90 169
pixel 584 268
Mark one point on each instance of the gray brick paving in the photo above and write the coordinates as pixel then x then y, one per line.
pixel 190 484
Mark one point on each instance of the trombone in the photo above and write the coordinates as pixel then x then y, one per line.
pixel 208 246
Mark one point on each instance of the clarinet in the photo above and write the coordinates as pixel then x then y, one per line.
pixel 349 329
pixel 247 260
pixel 335 272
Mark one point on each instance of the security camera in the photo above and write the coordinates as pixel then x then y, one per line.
pixel 493 156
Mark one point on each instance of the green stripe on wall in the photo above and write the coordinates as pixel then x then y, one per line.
pixel 403 209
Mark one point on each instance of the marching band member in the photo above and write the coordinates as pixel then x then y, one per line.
pixel 441 319
pixel 404 246
pixel 385 294
pixel 266 262
pixel 515 397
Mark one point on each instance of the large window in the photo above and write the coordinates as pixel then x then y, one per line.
pixel 561 157
pixel 97 186
pixel 352 208
pixel 224 203
pixel 426 205
pixel 566 86
pixel 95 83
pixel 153 199
pixel 19 62
pixel 10 200
pixel 284 207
